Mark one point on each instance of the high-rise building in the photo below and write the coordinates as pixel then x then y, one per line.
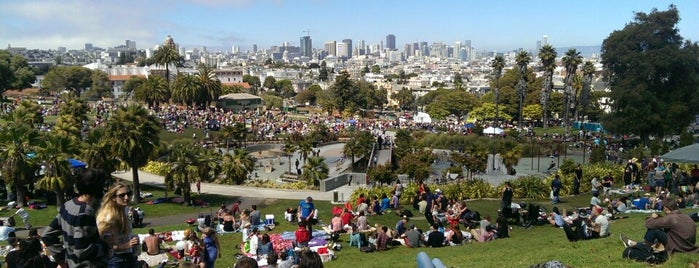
pixel 408 49
pixel 130 44
pixel 88 46
pixel 342 51
pixel 348 44
pixel 331 47
pixel 254 48
pixel 391 42
pixel 424 49
pixel 306 46
pixel 545 40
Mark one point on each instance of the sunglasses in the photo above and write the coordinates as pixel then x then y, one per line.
pixel 123 195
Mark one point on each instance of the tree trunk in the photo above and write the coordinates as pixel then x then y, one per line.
pixel 136 186
pixel 59 199
pixel 187 194
pixel 20 195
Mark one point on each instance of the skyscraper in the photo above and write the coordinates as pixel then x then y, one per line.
pixel 130 44
pixel 391 42
pixel 306 46
pixel 331 47
pixel 348 44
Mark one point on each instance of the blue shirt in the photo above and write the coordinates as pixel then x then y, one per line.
pixel 306 208
pixel 558 219
pixel 385 202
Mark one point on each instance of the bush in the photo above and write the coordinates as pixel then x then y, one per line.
pixel 158 168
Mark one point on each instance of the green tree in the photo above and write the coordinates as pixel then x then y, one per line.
pixel 344 92
pixel 53 154
pixel 270 82
pixel 132 84
pixel 405 99
pixel 272 101
pixel 165 56
pixel 652 73
pixel 532 112
pixel 236 166
pixel 359 145
pixel 309 95
pixel 383 174
pixel 289 149
pixel 456 102
pixel 185 160
pixel 285 88
pixel 71 78
pixel 416 164
pixel 18 138
pixel 134 133
pixel 570 62
pixel 547 56
pixel 522 60
pixel 458 81
pixel 253 81
pixel 486 112
pixel 15 72
pixel 375 69
pixel 588 73
pixel 208 84
pixel 153 91
pixel 497 64
pixel 323 72
pixel 101 87
pixel 185 89
pixel 314 170
pixel 96 151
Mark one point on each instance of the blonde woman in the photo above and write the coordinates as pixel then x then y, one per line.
pixel 115 229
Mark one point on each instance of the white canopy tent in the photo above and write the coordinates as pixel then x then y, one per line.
pixel 493 131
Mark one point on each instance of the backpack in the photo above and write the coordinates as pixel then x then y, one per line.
pixel 644 253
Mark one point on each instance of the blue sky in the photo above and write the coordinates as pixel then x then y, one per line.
pixel 219 24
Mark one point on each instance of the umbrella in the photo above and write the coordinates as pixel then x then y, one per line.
pixel 74 163
pixel 469 125
pixel 687 154
pixel 492 130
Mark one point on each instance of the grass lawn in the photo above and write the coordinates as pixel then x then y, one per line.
pixel 524 248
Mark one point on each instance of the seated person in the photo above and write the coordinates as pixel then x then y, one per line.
pixel 362 207
pixel 642 203
pixel 290 214
pixel 152 243
pixel 382 239
pixel 675 231
pixel 220 213
pixel 413 237
pixel 347 217
pixel 484 235
pixel 228 222
pixel 265 246
pixel 362 222
pixel 594 200
pixel 435 238
pixel 401 226
pixel 385 203
pixel 620 205
pixel 502 229
pixel 357 238
pixel 454 236
pixel 375 207
pixel 555 218
pixel 598 225
pixel 303 235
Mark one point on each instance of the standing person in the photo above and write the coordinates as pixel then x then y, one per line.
pixel 556 186
pixel 429 199
pixel 114 228
pixel 212 249
pixel 307 211
pixel 578 178
pixel 595 184
pixel 676 231
pixel 198 185
pixel 398 189
pixel 24 215
pixel 607 183
pixel 506 202
pixel 76 225
pixel 235 208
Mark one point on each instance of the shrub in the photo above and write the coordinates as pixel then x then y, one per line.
pixel 158 168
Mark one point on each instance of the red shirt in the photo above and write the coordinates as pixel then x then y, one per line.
pixel 346 218
pixel 302 235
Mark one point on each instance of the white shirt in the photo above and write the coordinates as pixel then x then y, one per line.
pixel 604 225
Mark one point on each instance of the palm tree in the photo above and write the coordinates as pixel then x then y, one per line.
pixel 209 86
pixel 522 60
pixel 289 149
pixel 184 158
pixel 18 139
pixel 315 170
pixel 547 56
pixel 54 153
pixel 360 145
pixel 184 89
pixel 570 61
pixel 588 72
pixel 96 151
pixel 69 126
pixel 305 146
pixel 134 133
pixel 166 55
pixel 236 166
pixel 153 91
pixel 497 64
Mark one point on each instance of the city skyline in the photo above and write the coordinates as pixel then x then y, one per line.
pixel 223 24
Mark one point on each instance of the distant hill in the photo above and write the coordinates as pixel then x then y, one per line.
pixel 585 51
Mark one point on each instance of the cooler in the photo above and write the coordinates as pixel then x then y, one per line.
pixel 269 219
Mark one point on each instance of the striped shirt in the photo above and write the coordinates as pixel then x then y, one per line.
pixel 81 246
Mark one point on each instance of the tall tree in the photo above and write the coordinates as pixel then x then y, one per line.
pixel 254 82
pixel 344 92
pixel 270 82
pixel 18 139
pixel 101 87
pixel 166 56
pixel 497 64
pixel 53 154
pixel 547 56
pixel 96 151
pixel 522 60
pixel 405 99
pixel 15 72
pixel 209 86
pixel 153 91
pixel 134 133
pixel 184 159
pixel 185 89
pixel 458 81
pixel 588 73
pixel 314 170
pixel 652 74
pixel 71 78
pixel 236 166
pixel 570 62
